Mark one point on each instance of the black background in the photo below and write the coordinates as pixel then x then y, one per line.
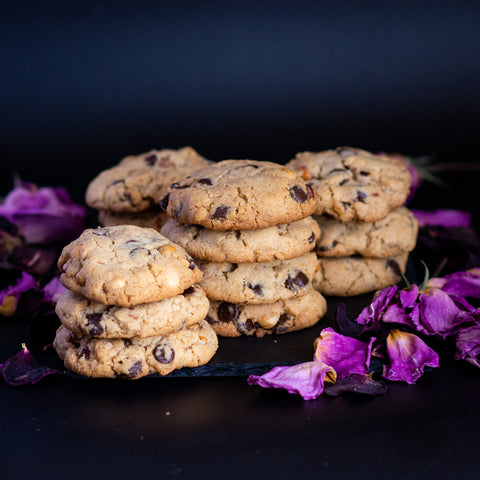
pixel 85 83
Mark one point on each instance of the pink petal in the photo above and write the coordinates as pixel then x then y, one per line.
pixel 345 355
pixel 466 284
pixel 443 218
pixel 305 379
pixel 9 297
pixel 373 312
pixel 408 356
pixel 53 289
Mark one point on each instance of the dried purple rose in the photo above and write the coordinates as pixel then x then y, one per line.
pixel 9 296
pixel 52 290
pixel 408 356
pixel 468 345
pixel 44 214
pixel 22 369
pixel 442 218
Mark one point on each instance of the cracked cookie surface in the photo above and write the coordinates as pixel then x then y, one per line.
pixel 234 320
pixel 349 276
pixel 240 195
pixel 85 317
pixel 137 357
pixel 279 242
pixel 394 234
pixel 265 282
pixel 126 265
pixel 138 182
pixel 352 184
pixel 152 218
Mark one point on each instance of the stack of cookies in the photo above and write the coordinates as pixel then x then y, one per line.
pixel 133 305
pixel 128 193
pixel 366 233
pixel 249 225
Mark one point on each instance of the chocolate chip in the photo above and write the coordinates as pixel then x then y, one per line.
pixel 135 369
pixel 192 264
pixel 85 352
pixel 74 340
pixel 163 203
pixel 311 238
pixel 394 267
pixel 257 288
pixel 205 181
pixel 94 324
pixel 220 212
pixel 246 327
pixel 364 173
pixel 285 323
pixel 300 280
pixel 299 194
pixel 345 152
pixel 361 196
pixel 137 249
pixel 164 353
pixel 227 312
pixel 326 248
pixel 150 160
pixel 189 291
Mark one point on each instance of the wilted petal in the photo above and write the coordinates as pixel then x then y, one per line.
pixel 53 289
pixel 404 309
pixel 372 314
pixel 443 218
pixel 468 345
pixel 345 354
pixel 440 313
pixel 408 356
pixel 305 379
pixel 356 383
pixel 346 323
pixel 43 214
pixel 22 369
pixel 9 297
pixel 466 284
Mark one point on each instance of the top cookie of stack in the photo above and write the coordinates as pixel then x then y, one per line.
pixel 366 233
pixel 249 224
pixel 129 192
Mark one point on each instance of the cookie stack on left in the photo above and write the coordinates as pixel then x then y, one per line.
pixel 133 305
pixel 128 193
pixel 249 225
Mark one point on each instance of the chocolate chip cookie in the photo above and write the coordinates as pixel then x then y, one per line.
pixel 137 357
pixel 280 242
pixel 394 234
pixel 349 276
pixel 138 182
pixel 352 184
pixel 240 195
pixel 233 320
pixel 126 265
pixel 266 282
pixel 85 317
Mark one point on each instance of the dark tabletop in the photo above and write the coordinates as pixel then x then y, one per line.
pixel 86 83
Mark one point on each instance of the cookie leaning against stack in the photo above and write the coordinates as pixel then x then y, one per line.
pixel 366 233
pixel 248 224
pixel 128 193
pixel 133 305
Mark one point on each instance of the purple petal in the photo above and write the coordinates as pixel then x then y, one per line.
pixel 443 218
pixel 9 297
pixel 346 323
pixel 43 214
pixel 356 383
pixel 373 312
pixel 440 313
pixel 468 345
pixel 404 309
pixel 22 369
pixel 53 289
pixel 408 357
pixel 305 379
pixel 345 355
pixel 465 284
